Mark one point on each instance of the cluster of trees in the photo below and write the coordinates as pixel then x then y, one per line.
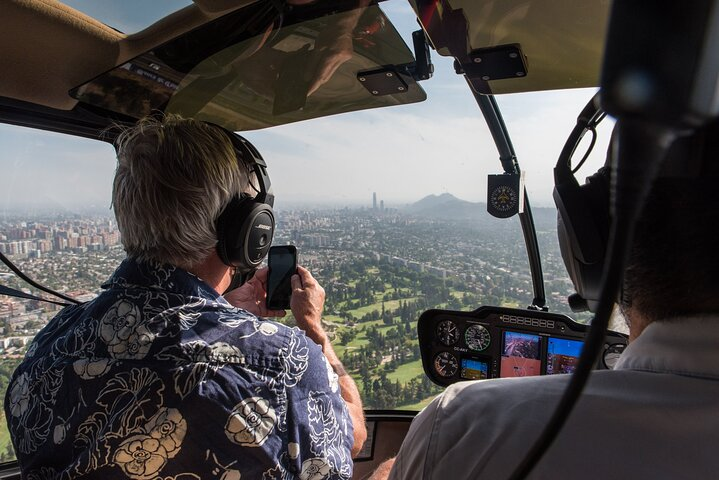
pixel 7 367
pixel 383 394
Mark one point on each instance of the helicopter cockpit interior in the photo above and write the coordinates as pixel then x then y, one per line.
pixel 373 116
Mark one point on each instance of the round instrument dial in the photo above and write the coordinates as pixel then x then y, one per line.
pixel 447 332
pixel 477 337
pixel 612 354
pixel 446 364
pixel 503 198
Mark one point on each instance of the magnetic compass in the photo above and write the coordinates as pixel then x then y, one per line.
pixel 446 364
pixel 504 194
pixel 504 198
pixel 477 337
pixel 447 332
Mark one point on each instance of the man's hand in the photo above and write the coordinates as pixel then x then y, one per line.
pixel 328 58
pixel 252 295
pixel 307 302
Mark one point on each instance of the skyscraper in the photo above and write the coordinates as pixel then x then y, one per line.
pixel 374 201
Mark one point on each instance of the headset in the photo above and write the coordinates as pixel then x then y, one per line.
pixel 247 224
pixel 583 218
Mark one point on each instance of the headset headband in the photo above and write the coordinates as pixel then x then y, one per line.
pixel 246 152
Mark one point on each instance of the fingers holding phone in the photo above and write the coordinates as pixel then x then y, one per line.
pixel 251 296
pixel 307 302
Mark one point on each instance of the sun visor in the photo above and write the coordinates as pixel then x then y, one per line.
pixel 510 46
pixel 258 67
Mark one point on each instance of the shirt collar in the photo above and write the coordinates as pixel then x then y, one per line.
pixel 686 346
pixel 156 276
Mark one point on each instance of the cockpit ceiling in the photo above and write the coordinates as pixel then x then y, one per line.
pixel 253 68
pixel 562 41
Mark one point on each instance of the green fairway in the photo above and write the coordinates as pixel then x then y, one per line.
pixel 388 305
pixel 4 434
pixel 417 406
pixel 406 372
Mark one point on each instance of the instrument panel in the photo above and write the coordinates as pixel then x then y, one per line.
pixel 500 342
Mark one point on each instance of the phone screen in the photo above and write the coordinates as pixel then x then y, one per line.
pixel 282 263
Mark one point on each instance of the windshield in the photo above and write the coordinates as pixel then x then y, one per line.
pixel 386 207
pixel 258 67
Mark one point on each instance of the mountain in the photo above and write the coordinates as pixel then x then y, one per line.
pixel 434 206
pixel 448 206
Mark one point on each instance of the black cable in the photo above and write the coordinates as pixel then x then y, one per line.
pixel 11 292
pixel 640 151
pixel 32 282
pixel 586 154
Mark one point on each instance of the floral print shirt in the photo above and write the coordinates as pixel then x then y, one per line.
pixel 160 377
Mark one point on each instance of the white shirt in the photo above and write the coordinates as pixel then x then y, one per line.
pixel 655 416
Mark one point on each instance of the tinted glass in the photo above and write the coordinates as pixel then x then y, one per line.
pixel 257 68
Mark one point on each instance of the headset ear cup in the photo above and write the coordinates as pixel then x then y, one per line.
pixel 244 233
pixel 583 230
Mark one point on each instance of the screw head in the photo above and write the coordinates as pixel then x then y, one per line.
pixel 362 79
pixel 401 89
pixel 375 92
pixel 485 77
pixel 513 55
pixel 477 60
pixel 520 74
pixel 389 74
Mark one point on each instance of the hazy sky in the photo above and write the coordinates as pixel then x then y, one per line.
pixel 402 153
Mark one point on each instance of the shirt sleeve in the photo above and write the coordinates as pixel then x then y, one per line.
pixel 415 452
pixel 318 421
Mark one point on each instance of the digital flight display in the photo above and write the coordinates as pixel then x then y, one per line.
pixel 562 355
pixel 474 369
pixel 520 355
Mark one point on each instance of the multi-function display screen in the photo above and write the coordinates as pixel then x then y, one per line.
pixel 520 355
pixel 562 355
pixel 500 342
pixel 473 369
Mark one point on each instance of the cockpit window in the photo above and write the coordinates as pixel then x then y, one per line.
pixel 128 16
pixel 260 67
pixel 56 225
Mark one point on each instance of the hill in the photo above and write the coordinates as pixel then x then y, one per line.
pixel 447 206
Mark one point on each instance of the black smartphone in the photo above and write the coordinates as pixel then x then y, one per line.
pixel 282 264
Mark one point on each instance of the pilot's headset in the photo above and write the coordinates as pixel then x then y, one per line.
pixel 583 217
pixel 583 214
pixel 246 225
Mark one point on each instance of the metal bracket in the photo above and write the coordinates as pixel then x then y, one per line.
pixel 383 81
pixel 422 69
pixel 495 63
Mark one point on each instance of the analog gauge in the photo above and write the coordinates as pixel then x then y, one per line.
pixel 503 198
pixel 446 364
pixel 612 354
pixel 477 337
pixel 447 332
